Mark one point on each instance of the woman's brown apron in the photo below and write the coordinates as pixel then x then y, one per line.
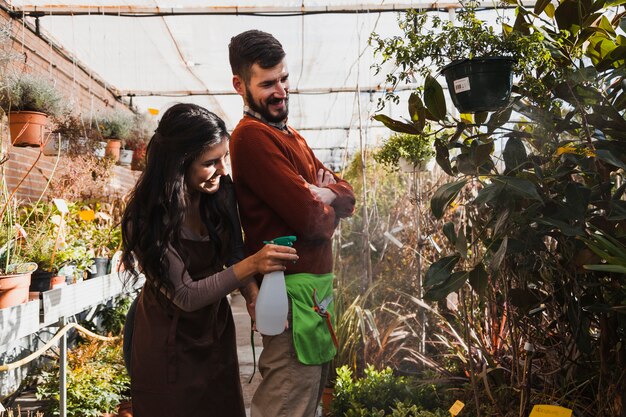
pixel 185 364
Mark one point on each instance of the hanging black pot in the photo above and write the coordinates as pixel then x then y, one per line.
pixel 480 84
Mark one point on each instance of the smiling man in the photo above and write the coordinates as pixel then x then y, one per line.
pixel 283 189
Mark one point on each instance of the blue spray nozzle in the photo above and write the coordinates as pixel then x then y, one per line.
pixel 283 241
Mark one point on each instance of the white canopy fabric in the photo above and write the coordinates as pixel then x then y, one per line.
pixel 189 53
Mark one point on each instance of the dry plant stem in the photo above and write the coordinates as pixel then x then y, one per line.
pixel 19 184
pixel 469 350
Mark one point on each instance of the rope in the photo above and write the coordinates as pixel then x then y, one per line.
pixel 51 342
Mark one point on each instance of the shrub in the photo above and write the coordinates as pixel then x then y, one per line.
pixel 97 380
pixel 28 92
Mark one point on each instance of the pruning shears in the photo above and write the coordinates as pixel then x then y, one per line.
pixel 321 308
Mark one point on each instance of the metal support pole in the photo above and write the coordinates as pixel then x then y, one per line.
pixel 63 371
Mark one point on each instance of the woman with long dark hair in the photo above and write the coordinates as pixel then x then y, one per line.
pixel 181 230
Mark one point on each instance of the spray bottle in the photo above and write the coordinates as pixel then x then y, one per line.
pixel 272 305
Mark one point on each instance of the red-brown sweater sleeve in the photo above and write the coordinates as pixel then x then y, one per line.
pixel 344 202
pixel 263 167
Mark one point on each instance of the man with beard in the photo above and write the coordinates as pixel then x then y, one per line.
pixel 282 189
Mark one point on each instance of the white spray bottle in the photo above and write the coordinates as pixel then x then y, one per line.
pixel 272 305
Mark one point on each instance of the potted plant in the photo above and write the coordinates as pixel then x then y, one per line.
pixel 126 156
pixel 71 135
pixel 103 237
pixel 408 152
pixel 60 259
pixel 143 128
pixel 114 127
pixel 477 60
pixel 28 100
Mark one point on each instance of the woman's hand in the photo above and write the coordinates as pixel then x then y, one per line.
pixel 273 258
pixel 269 259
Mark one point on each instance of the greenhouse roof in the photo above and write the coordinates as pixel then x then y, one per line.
pixel 159 52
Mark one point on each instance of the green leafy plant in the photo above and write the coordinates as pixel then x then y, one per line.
pixel 416 149
pixel 97 380
pixel 114 317
pixel 378 393
pixel 521 224
pixel 29 92
pixel 115 124
pixel 430 41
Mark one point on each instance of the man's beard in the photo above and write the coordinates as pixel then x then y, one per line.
pixel 264 111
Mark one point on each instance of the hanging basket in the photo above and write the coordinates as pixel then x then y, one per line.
pixel 27 128
pixel 480 84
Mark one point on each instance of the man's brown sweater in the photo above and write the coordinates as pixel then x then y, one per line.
pixel 268 170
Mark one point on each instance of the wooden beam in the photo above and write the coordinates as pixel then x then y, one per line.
pixel 42 10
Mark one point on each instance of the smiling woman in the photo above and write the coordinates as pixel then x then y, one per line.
pixel 182 226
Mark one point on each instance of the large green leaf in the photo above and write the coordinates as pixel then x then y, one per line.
pixel 617 210
pixel 540 6
pixel 396 125
pixel 449 232
pixel 440 270
pixel 518 186
pixel 442 156
pixel 489 193
pixel 608 156
pixel 417 111
pixel 444 196
pixel 451 284
pixel 514 154
pixel 606 268
pixel 499 118
pixel 480 117
pixel 434 98
pixel 565 228
pixel 478 279
pixel 461 243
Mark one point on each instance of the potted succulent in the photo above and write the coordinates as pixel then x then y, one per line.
pixel 28 100
pixel 409 153
pixel 477 60
pixel 114 127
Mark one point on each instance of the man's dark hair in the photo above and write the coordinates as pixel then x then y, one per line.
pixel 253 47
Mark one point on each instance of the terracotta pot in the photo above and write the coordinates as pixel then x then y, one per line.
pixel 125 409
pixel 327 399
pixel 27 128
pixel 58 281
pixel 14 289
pixel 112 149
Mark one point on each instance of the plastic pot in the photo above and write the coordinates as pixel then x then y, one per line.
pixel 99 268
pixel 14 289
pixel 480 84
pixel 40 281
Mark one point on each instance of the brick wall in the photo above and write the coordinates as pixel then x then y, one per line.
pixel 82 89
